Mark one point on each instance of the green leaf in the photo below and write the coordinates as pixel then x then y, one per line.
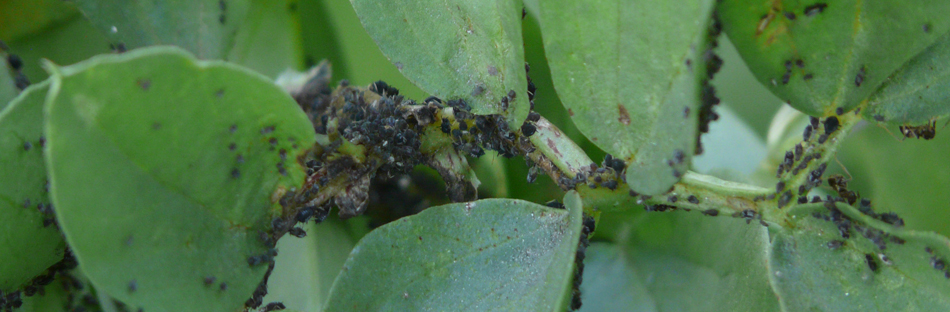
pixel 204 27
pixel 8 89
pixel 455 49
pixel 27 247
pixel 306 268
pixel 732 150
pixel 625 72
pixel 22 18
pixel 846 48
pixel 492 254
pixel 810 276
pixel 358 58
pixel 268 40
pixel 165 170
pixel 918 92
pixel 910 177
pixel 679 262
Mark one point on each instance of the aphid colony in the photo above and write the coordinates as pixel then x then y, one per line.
pixel 582 244
pixel 799 159
pixel 60 270
pixel 16 67
pixel 847 226
pixel 376 131
pixel 708 92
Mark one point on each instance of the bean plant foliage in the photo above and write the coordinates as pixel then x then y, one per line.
pixel 165 163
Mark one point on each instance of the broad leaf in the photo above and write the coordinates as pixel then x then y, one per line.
pixel 21 18
pixel 268 40
pixel 204 27
pixel 629 74
pixel 918 92
pixel 76 33
pixel 29 241
pixel 492 254
pixel 814 269
pixel 165 171
pixel 8 89
pixel 820 56
pixel 455 49
pixel 679 262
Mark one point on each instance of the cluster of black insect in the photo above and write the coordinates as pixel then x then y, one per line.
pixel 708 92
pixel 800 157
pixel 938 263
pixel 16 67
pixel 257 297
pixel 789 70
pixel 223 6
pixel 586 230
pixel 45 208
pixel 847 226
pixel 37 285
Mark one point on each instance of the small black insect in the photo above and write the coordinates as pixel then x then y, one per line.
pixel 446 126
pixel 872 262
pixel 822 138
pixel 831 124
pixel 133 286
pixel 807 133
pixel 555 204
pixel 815 9
pixel 839 111
pixel 511 94
pixel 672 198
pixel 297 232
pixel 273 306
pixel 789 15
pixel 835 244
pixel 859 78
pixel 16 63
pixel 528 129
pixel 937 263
pixel 692 199
pixel 808 77
pixel 27 146
pixel 711 212
pixel 235 173
pixel 223 286
pixel 208 280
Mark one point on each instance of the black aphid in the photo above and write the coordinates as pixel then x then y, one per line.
pixel 528 129
pixel 831 124
pixel 16 63
pixel 859 78
pixel 815 9
pixel 297 232
pixel 872 262
pixel 835 244
pixel 273 306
